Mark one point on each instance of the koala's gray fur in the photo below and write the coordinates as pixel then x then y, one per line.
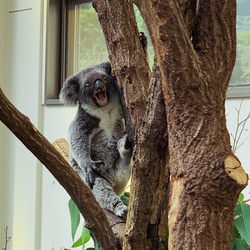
pixel 99 149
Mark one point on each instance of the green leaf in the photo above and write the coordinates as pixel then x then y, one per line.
pixel 78 242
pixel 241 198
pixel 239 245
pixel 242 221
pixel 85 236
pixel 125 198
pixel 75 217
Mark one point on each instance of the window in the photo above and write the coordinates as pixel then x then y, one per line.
pixel 85 41
pixel 75 41
pixel 240 80
pixel 54 63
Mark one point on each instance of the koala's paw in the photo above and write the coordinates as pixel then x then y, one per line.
pixel 89 177
pixel 124 146
pixel 90 172
pixel 97 165
pixel 121 210
pixel 144 41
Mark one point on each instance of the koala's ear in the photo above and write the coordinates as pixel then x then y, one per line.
pixel 106 67
pixel 69 92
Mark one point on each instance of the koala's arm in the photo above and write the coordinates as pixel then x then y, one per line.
pixel 80 144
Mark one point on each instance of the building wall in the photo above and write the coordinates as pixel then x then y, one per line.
pixel 3 130
pixel 19 178
pixel 32 204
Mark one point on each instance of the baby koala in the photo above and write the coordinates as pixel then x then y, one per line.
pixel 99 148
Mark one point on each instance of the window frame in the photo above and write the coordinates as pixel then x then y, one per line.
pixel 238 92
pixel 54 20
pixel 52 83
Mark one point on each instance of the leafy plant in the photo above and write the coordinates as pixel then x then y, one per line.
pixel 86 234
pixel 241 230
pixel 75 222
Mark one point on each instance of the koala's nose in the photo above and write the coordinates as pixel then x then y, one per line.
pixel 99 85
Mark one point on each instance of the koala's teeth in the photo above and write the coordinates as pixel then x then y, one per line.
pixel 101 98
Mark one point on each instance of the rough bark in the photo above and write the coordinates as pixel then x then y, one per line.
pixel 146 226
pixel 195 75
pixel 26 132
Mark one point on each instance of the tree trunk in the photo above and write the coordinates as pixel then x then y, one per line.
pixel 206 178
pixel 146 226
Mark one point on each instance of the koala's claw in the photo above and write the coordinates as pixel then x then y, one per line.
pixel 98 165
pixel 121 210
pixel 90 170
pixel 123 145
pixel 89 177
pixel 144 40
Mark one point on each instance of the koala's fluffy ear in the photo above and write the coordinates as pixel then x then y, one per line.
pixel 106 66
pixel 69 92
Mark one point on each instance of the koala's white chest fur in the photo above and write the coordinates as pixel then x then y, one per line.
pixel 108 115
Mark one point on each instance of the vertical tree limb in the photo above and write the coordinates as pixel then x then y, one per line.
pixel 148 208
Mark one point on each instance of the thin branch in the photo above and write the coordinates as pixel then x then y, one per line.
pixel 240 128
pixel 7 238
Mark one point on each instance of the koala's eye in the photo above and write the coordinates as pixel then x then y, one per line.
pixel 105 78
pixel 86 85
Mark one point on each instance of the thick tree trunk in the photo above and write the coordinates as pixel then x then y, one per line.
pixel 206 178
pixel 26 132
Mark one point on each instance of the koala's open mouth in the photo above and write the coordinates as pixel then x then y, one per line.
pixel 101 97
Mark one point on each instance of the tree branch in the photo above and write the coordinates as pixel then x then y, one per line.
pixel 194 81
pixel 148 208
pixel 214 38
pixel 26 132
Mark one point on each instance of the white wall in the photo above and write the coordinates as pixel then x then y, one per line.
pixel 19 164
pixel 3 130
pixel 32 204
pixel 243 152
pixel 55 215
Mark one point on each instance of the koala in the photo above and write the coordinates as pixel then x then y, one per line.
pixel 100 151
